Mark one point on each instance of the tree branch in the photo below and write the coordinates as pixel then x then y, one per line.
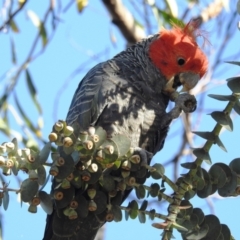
pixel 124 20
pixel 8 21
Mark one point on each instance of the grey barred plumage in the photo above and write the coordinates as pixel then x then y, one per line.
pixel 129 94
pixel 123 95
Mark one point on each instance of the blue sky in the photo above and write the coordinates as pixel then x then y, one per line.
pixel 83 40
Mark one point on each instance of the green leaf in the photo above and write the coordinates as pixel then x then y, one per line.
pixel 237 107
pixel 13 51
pixel 220 144
pixel 33 91
pixel 206 135
pixel 29 189
pixel 117 213
pixel 46 202
pixel 14 26
pixel 154 190
pixel 152 214
pixel 222 97
pixel 123 143
pixel 144 205
pixel 211 137
pixel 140 192
pixel 189 165
pixel 43 34
pixel 5 200
pixel 202 154
pixel 141 217
pixel 171 19
pixel 223 119
pixel 133 212
pixel 44 153
pixel 41 172
pixel 159 171
pixel 40 25
pixel 234 84
pixel 233 62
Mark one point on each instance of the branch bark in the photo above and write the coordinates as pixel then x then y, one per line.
pixel 124 20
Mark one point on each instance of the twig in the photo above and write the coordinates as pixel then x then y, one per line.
pixel 8 21
pixel 124 20
pixel 10 87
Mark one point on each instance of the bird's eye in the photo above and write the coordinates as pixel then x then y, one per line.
pixel 181 61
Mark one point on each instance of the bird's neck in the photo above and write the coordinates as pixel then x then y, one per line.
pixel 135 64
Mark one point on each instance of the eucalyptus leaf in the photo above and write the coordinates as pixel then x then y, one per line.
pixel 202 154
pixel 223 119
pixel 5 200
pixel 234 84
pixel 29 189
pixel 46 202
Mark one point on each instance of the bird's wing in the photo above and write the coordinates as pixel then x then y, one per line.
pixel 85 107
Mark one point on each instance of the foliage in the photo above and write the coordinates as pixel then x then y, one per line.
pixel 101 154
pixel 83 162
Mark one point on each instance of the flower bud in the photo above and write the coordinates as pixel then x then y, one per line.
pixel 109 149
pixel 91 193
pixel 95 138
pixel 68 131
pixel 72 214
pixel 32 175
pixel 131 181
pixel 91 130
pixel 52 137
pixel 73 204
pixel 88 145
pixel 135 159
pixel 54 171
pixel 126 165
pixel 9 146
pixel 9 163
pixel 36 201
pixel 92 206
pixel 32 208
pixel 58 126
pixel 60 162
pixel 125 174
pixel 70 177
pixel 83 136
pixel 67 142
pixel 86 176
pixel 93 168
pixel 109 217
pixel 58 195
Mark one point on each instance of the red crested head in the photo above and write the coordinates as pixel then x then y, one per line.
pixel 176 51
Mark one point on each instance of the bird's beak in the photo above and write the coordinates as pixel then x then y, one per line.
pixel 187 80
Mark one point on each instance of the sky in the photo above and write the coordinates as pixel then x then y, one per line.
pixel 80 42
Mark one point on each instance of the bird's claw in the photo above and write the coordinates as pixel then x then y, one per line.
pixel 186 102
pixel 183 102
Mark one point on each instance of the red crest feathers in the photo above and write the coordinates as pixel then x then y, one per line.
pixel 175 44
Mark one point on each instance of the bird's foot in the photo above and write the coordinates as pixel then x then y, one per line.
pixel 183 102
